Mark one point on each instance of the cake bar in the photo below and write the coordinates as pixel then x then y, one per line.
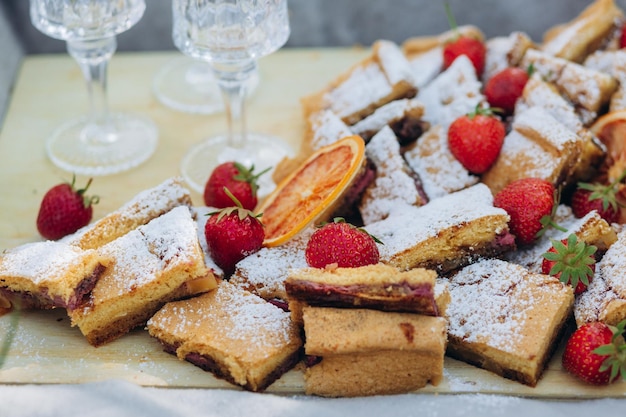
pixel 505 51
pixel 49 274
pixel 505 319
pixel 153 264
pixel 232 333
pixel 360 352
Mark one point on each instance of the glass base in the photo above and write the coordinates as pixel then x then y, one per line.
pixel 128 141
pixel 187 85
pixel 261 151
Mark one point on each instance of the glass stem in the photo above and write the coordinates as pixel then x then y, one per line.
pixel 233 82
pixel 93 58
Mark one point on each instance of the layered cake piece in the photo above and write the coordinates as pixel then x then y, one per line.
pixel 142 208
pixel 49 274
pixel 454 93
pixel 537 146
pixel 446 233
pixel 403 116
pixel 591 229
pixel 358 352
pixel 232 333
pixel 378 287
pixel 589 31
pixel 506 319
pixel 605 298
pixel 612 62
pixel 153 264
pixel 379 79
pixel 394 184
pixel 438 170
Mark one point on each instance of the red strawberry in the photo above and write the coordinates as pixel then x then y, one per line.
pixel 232 234
pixel 240 181
pixel 504 88
pixel 475 139
pixel 596 353
pixel 531 203
pixel 342 244
pixel 64 210
pixel 472 48
pixel 622 38
pixel 599 197
pixel 571 261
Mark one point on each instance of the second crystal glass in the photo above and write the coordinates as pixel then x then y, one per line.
pixel 231 35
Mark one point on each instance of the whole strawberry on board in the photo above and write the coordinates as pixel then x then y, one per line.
pixel 65 209
pixel 241 181
pixel 473 48
pixel 232 234
pixel 599 197
pixel 476 139
pixel 572 261
pixel 531 204
pixel 596 353
pixel 505 87
pixel 341 244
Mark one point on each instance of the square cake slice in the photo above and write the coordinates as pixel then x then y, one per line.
pixel 446 233
pixel 231 332
pixel 506 319
pixel 358 352
pixel 49 274
pixel 153 264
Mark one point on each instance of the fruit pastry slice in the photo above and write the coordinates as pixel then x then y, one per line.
pixel 591 29
pixel 356 352
pixel 153 264
pixel 50 274
pixel 394 182
pixel 378 287
pixel 232 333
pixel 139 210
pixel 605 298
pixel 380 78
pixel 612 62
pixel 446 233
pixel 506 319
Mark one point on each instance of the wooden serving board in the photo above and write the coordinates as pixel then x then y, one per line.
pixel 50 90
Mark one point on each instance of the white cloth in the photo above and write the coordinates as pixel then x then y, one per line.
pixel 120 399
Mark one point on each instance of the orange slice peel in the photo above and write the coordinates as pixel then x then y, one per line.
pixel 313 191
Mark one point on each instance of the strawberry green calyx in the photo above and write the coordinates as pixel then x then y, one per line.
pixel 547 221
pixel 87 200
pixel 248 175
pixel 360 229
pixel 242 213
pixel 615 352
pixel 484 111
pixel 573 260
pixel 606 193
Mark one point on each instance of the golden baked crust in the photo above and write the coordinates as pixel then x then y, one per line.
pixel 49 274
pixel 153 264
pixel 142 208
pixel 231 332
pixel 576 39
pixel 505 319
pixel 446 233
pixel 356 345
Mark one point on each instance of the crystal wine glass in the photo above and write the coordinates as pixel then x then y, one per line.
pixel 231 35
pixel 187 85
pixel 103 142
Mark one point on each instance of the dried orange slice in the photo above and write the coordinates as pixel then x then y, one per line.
pixel 611 130
pixel 313 191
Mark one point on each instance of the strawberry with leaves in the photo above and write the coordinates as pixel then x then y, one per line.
pixel 596 353
pixel 342 244
pixel 233 233
pixel 572 261
pixel 459 45
pixel 599 197
pixel 242 182
pixel 505 87
pixel 64 209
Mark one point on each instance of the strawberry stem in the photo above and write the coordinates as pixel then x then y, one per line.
pixel 450 16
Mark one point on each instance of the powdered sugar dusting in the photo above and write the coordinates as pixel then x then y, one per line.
pixel 455 92
pixel 327 128
pixel 407 226
pixel 394 110
pixel 439 171
pixel 40 262
pixel 426 66
pixel 393 62
pixel 393 184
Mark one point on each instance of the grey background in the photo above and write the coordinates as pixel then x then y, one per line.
pixel 313 23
